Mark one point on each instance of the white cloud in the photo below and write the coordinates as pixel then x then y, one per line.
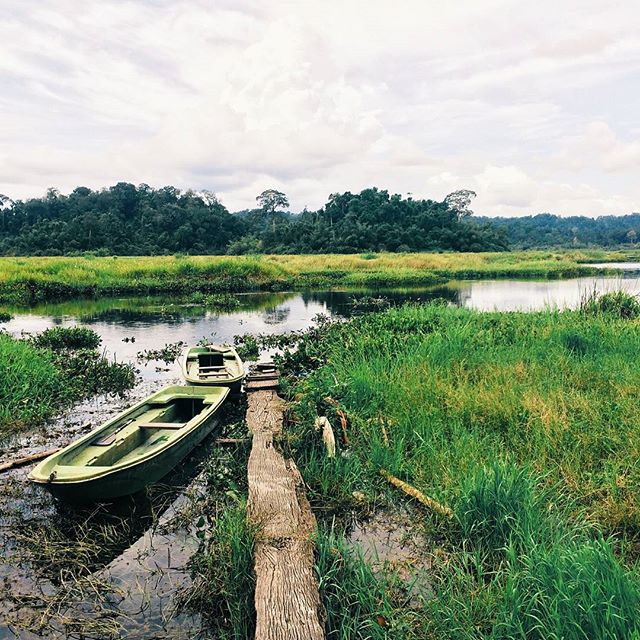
pixel 421 97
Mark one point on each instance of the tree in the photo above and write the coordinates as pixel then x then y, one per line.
pixel 5 202
pixel 271 199
pixel 460 201
pixel 631 236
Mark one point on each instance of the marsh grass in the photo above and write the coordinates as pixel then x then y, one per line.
pixel 43 374
pixel 525 424
pixel 33 280
pixel 357 603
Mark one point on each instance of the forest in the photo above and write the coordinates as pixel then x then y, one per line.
pixel 129 220
pixel 546 230
pixel 125 219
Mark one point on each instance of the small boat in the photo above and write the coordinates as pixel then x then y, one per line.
pixel 133 449
pixel 214 365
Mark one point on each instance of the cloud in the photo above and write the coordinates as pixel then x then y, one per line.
pixel 421 97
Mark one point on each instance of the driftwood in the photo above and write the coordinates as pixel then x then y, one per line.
pixel 329 439
pixel 232 440
pixel 19 462
pixel 286 598
pixel 432 504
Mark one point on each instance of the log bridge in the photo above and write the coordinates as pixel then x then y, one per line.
pixel 287 601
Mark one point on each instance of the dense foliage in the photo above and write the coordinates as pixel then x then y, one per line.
pixel 129 220
pixel 547 230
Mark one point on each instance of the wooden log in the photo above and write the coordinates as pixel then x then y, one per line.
pixel 19 462
pixel 432 504
pixel 286 599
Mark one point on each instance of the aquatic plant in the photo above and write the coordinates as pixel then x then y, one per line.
pixel 57 338
pixel 617 304
pixel 167 354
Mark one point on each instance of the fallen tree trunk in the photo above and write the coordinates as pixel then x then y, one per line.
pixel 286 599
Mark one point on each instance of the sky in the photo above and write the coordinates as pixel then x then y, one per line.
pixel 533 105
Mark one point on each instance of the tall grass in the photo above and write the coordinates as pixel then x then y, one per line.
pixel 32 388
pixel 526 424
pixel 44 374
pixel 34 280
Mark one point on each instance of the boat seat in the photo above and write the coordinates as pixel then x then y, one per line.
pixel 162 425
pixel 212 368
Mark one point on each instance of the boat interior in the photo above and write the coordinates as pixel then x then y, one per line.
pixel 211 365
pixel 138 433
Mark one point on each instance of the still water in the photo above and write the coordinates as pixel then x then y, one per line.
pixel 139 580
pixel 130 325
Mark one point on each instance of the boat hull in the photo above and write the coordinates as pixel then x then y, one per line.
pixel 124 482
pixel 135 448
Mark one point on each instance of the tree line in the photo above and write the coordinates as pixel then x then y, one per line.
pixel 546 230
pixel 138 220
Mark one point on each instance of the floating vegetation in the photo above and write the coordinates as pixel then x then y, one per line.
pixel 366 304
pixel 218 301
pixel 167 354
pixel 72 338
pixel 5 316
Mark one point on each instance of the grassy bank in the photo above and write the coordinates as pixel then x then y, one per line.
pixel 525 425
pixel 32 280
pixel 42 375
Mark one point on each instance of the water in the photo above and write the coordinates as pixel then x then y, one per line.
pixel 130 325
pixel 149 565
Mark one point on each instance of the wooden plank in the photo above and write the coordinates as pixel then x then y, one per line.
pixel 257 385
pixel 19 462
pixel 286 599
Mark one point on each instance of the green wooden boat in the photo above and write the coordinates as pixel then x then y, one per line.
pixel 213 365
pixel 137 447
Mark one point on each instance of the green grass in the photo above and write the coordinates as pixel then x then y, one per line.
pixel 34 280
pixel 32 388
pixel 42 375
pixel 525 424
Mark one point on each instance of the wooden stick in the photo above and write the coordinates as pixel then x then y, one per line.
pixel 232 440
pixel 443 510
pixel 327 436
pixel 19 462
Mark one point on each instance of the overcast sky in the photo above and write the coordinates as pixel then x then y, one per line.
pixel 534 105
